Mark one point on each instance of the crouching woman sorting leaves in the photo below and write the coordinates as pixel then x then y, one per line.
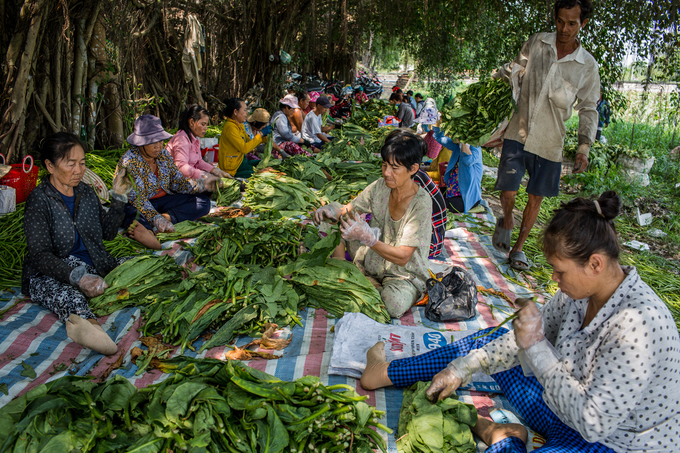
pixel 603 353
pixel 392 250
pixel 65 225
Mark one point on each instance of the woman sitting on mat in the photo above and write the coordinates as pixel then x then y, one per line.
pixel 65 226
pixel 162 196
pixel 185 146
pixel 463 176
pixel 604 351
pixel 235 142
pixel 392 251
pixel 288 141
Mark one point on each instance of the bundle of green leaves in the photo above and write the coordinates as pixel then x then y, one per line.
pixel 432 428
pixel 228 193
pixel 136 282
pixel 476 111
pixel 306 169
pixel 206 406
pixel 273 190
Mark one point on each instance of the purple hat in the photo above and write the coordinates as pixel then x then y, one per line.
pixel 323 101
pixel 290 100
pixel 148 129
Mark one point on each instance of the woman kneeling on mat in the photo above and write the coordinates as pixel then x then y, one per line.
pixel 392 251
pixel 65 225
pixel 162 195
pixel 603 354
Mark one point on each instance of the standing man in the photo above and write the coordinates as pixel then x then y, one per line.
pixel 557 71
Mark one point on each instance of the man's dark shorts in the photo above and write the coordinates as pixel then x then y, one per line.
pixel 544 175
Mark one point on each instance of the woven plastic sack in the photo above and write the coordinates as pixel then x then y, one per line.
pixel 452 299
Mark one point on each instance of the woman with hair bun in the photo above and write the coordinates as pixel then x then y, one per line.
pixel 603 355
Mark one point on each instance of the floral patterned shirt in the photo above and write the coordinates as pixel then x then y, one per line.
pixel 169 179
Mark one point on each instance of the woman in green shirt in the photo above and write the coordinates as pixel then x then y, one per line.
pixel 392 249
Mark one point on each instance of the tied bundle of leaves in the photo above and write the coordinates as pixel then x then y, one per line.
pixel 12 247
pixel 227 300
pixel 428 428
pixel 229 192
pixel 185 230
pixel 136 282
pixel 338 287
pixel 477 111
pixel 307 170
pixel 351 178
pixel 121 246
pixel 248 240
pixel 206 406
pixel 103 163
pixel 273 190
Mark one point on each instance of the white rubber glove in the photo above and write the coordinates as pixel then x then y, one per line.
pixel 162 225
pixel 92 285
pixel 121 183
pixel 356 229
pixel 331 212
pixel 209 182
pixel 448 380
pixel 528 325
pixel 220 173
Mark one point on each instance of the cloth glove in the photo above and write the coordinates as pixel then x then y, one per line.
pixel 356 229
pixel 209 182
pixel 162 225
pixel 448 380
pixel 330 211
pixel 220 173
pixel 266 130
pixel 426 127
pixel 528 325
pixel 121 183
pixel 92 285
pixel 307 143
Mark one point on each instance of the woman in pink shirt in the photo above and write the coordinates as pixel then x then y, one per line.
pixel 185 146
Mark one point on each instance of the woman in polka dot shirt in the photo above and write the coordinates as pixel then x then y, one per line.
pixel 603 355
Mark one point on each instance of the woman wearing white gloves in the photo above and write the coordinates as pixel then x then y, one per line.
pixel 392 250
pixel 162 195
pixel 65 226
pixel 185 145
pixel 603 355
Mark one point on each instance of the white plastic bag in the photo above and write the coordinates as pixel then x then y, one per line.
pixel 356 333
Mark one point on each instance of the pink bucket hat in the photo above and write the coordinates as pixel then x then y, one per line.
pixel 313 96
pixel 290 100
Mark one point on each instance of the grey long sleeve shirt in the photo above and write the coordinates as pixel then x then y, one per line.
pixel 548 91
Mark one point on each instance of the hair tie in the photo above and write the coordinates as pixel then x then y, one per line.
pixel 599 210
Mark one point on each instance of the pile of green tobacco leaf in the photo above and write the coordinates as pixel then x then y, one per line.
pixel 248 240
pixel 305 169
pixel 185 230
pixel 136 282
pixel 228 193
pixel 432 428
pixel 273 190
pixel 206 406
pixel 477 111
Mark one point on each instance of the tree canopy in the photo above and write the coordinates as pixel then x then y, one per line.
pixel 91 67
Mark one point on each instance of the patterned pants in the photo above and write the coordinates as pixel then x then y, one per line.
pixel 293 149
pixel 524 393
pixel 61 298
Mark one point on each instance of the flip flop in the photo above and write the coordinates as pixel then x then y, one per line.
pixel 519 261
pixel 501 237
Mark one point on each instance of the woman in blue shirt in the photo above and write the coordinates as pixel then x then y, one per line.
pixel 463 175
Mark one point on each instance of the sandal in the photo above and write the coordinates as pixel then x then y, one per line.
pixel 501 237
pixel 519 261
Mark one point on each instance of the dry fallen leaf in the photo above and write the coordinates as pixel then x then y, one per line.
pixel 134 353
pixel 114 366
pixel 238 354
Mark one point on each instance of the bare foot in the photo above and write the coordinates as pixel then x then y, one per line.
pixel 491 432
pixel 375 373
pixel 339 252
pixel 145 237
pixel 89 335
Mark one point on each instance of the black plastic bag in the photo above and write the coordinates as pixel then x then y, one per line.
pixel 452 299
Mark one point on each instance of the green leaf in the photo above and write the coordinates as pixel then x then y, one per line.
pixel 29 372
pixel 3 389
pixel 178 403
pixel 272 436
